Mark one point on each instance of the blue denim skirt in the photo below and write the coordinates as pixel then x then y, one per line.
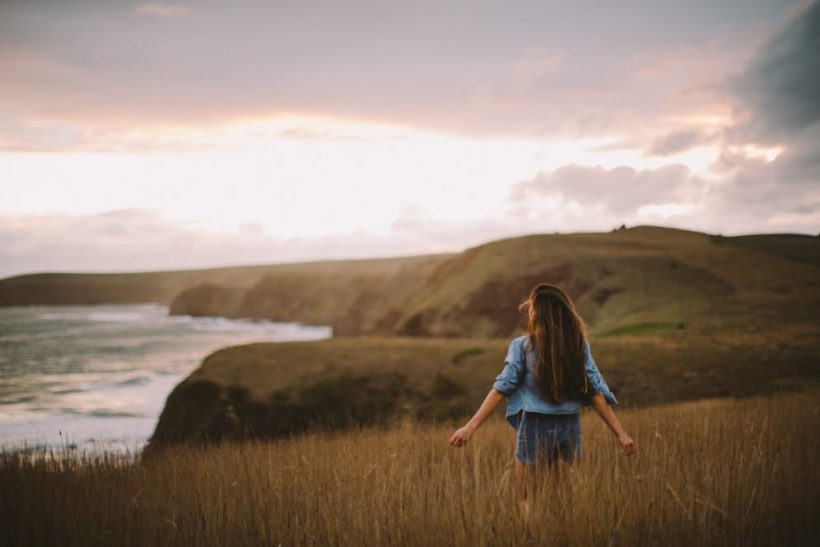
pixel 546 438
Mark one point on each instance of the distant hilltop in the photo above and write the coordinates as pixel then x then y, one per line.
pixel 629 280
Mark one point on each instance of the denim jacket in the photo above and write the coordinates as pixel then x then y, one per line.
pixel 517 382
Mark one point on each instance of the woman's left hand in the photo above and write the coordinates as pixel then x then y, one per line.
pixel 461 437
pixel 627 444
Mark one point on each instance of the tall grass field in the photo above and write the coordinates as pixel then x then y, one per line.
pixel 714 472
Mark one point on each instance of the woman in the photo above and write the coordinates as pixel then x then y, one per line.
pixel 548 376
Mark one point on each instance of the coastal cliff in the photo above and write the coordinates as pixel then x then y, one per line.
pixel 275 389
pixel 640 278
pixel 673 315
pixel 353 297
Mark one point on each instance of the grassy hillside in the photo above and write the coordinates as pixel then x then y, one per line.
pixel 276 389
pixel 644 279
pixel 353 298
pixel 803 248
pixel 706 473
pixel 629 278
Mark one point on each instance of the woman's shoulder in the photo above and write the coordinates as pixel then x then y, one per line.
pixel 521 343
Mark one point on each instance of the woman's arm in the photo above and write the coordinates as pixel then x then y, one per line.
pixel 596 381
pixel 601 406
pixel 463 435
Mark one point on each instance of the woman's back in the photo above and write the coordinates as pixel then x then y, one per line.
pixel 518 381
pixel 548 376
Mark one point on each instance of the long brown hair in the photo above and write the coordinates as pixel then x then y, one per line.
pixel 557 336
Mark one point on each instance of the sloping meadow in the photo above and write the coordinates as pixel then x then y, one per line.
pixel 714 472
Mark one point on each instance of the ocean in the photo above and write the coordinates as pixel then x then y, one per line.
pixel 94 378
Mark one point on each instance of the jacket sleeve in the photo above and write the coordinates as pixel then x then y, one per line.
pixel 514 366
pixel 596 382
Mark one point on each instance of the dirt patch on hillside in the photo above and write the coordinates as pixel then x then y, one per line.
pixel 498 299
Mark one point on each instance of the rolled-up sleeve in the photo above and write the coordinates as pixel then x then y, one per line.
pixel 596 381
pixel 514 364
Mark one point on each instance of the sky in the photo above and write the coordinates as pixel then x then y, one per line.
pixel 154 136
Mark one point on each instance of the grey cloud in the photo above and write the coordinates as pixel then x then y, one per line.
pixel 778 95
pixel 780 88
pixel 776 98
pixel 799 162
pixel 620 191
pixel 679 141
pixel 754 196
pixel 755 188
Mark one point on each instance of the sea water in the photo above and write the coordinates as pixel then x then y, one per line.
pixel 96 377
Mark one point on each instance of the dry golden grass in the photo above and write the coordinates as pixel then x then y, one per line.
pixel 717 472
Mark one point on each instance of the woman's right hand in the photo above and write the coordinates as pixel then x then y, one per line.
pixel 628 444
pixel 461 437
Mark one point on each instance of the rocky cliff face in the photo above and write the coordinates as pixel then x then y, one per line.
pixel 207 299
pixel 353 298
pixel 275 390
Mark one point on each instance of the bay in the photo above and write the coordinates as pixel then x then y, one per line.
pixel 96 377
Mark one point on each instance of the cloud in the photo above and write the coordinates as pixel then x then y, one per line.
pixel 752 198
pixel 478 68
pixel 679 141
pixel 787 187
pixel 777 102
pixel 162 10
pixel 753 195
pixel 778 93
pixel 18 135
pixel 641 79
pixel 527 70
pixel 145 240
pixel 618 192
pixel 757 197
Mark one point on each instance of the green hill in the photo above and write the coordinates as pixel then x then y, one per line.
pixel 630 278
